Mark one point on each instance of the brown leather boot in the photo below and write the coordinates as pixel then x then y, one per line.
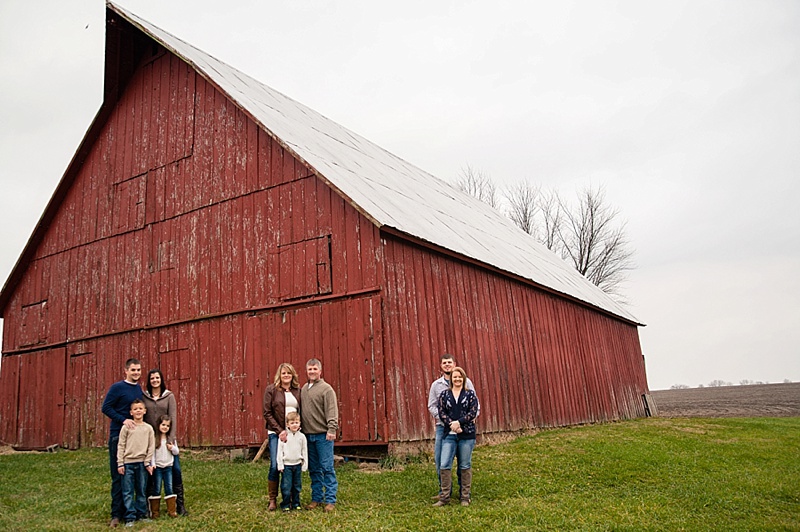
pixel 466 487
pixel 172 505
pixel 272 486
pixel 447 484
pixel 155 506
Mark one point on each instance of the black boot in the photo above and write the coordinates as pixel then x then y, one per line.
pixel 180 507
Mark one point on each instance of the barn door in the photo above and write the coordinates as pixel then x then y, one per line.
pixel 353 365
pixel 41 404
pixel 9 398
pixel 175 365
pixel 82 425
pixel 345 335
pixel 362 414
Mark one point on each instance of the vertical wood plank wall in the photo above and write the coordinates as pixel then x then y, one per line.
pixel 192 240
pixel 536 360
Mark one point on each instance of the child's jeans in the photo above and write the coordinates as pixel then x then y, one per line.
pixel 162 475
pixel 134 484
pixel 291 484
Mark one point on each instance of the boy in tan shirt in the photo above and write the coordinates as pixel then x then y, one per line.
pixel 134 454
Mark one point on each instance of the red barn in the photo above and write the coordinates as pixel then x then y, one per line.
pixel 213 227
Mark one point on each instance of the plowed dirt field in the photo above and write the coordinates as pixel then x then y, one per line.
pixel 754 400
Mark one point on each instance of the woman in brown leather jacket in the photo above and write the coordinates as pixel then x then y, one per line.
pixel 280 398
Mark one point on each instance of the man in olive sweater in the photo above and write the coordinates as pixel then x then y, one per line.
pixel 320 419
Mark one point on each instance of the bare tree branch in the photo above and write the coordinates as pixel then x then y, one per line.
pixel 478 184
pixel 595 242
pixel 523 201
pixel 552 220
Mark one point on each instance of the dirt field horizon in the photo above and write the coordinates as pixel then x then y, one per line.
pixel 751 400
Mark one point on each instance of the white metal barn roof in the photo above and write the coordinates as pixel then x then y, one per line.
pixel 384 187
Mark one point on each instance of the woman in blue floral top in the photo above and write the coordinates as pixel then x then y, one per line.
pixel 458 408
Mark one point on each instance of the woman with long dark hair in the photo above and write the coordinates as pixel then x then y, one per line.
pixel 280 397
pixel 161 402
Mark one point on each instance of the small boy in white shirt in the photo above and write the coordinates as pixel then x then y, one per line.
pixel 292 461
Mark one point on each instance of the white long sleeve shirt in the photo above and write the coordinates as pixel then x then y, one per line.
pixel 163 457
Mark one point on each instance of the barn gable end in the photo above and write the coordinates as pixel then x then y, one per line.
pixel 188 233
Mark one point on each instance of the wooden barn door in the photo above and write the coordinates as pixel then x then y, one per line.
pixel 175 364
pixel 359 376
pixel 9 398
pixel 41 412
pixel 345 335
pixel 83 426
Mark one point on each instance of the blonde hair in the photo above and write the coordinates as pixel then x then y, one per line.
pixel 295 378
pixel 463 376
pixel 291 416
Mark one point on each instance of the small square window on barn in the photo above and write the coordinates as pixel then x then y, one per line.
pixel 305 268
pixel 34 318
pixel 128 210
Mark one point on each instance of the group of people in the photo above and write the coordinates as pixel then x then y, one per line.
pixel 451 401
pixel 302 425
pixel 287 408
pixel 142 450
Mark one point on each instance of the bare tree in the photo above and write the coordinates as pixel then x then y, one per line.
pixel 523 205
pixel 594 241
pixel 716 383
pixel 478 184
pixel 590 235
pixel 549 232
pixel 679 387
pixel 536 211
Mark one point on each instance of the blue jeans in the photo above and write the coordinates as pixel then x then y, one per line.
pixel 117 504
pixel 291 485
pixel 453 447
pixel 177 478
pixel 437 456
pixel 320 468
pixel 273 458
pixel 133 486
pixel 162 475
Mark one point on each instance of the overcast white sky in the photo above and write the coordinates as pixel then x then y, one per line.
pixel 687 112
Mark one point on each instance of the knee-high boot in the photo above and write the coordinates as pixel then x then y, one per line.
pixel 466 486
pixel 447 484
pixel 272 486
pixel 177 489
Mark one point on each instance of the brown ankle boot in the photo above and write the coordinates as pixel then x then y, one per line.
pixel 155 506
pixel 172 505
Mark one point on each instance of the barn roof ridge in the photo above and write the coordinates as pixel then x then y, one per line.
pixel 391 192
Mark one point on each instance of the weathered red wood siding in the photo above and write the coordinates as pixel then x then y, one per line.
pixel 535 359
pixel 192 240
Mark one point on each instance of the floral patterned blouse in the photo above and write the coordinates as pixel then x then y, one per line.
pixel 465 410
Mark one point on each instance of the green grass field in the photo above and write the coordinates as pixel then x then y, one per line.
pixel 653 474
